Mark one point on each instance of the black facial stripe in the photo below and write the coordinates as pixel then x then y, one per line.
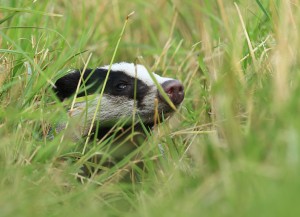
pixel 117 77
pixel 66 86
pixel 93 81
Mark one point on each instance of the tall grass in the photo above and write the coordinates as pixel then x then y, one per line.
pixel 233 148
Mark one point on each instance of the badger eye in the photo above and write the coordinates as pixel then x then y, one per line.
pixel 121 86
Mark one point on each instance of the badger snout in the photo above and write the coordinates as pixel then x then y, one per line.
pixel 174 90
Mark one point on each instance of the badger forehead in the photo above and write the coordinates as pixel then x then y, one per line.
pixel 136 71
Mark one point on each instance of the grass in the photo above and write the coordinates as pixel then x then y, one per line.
pixel 233 147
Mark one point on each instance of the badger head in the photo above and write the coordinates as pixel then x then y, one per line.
pixel 129 88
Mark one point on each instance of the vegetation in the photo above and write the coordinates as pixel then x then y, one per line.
pixel 232 149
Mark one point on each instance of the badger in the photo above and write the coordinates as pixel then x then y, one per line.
pixel 130 93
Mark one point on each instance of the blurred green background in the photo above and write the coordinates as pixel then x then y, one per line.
pixel 231 150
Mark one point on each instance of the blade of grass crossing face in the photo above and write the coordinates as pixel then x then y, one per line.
pixel 105 81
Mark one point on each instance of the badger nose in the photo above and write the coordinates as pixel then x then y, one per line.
pixel 175 91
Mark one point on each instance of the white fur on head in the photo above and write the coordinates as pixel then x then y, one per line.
pixel 142 73
pixel 111 109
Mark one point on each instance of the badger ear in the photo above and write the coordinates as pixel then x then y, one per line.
pixel 66 86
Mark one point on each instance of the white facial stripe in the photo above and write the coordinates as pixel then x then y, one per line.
pixel 142 73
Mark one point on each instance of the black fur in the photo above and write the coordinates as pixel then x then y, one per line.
pixel 118 84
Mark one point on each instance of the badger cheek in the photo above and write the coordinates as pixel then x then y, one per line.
pixel 108 112
pixel 114 108
pixel 146 105
pixel 151 106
